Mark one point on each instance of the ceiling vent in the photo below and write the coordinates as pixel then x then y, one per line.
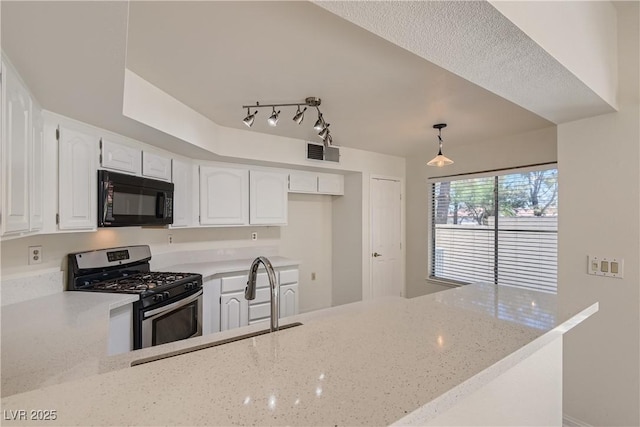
pixel 320 152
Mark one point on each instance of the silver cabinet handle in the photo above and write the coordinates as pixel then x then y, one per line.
pixel 376 254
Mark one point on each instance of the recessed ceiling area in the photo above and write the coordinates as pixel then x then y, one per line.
pixel 217 56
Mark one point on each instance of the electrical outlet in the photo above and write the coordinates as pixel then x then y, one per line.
pixel 313 276
pixel 170 238
pixel 35 255
pixel 254 236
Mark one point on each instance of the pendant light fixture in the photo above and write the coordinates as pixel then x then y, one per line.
pixel 320 125
pixel 440 160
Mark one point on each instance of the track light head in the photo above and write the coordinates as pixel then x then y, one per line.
pixel 319 123
pixel 299 116
pixel 324 132
pixel 250 118
pixel 273 118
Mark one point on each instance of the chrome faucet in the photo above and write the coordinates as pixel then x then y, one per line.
pixel 250 290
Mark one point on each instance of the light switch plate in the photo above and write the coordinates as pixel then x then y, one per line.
pixel 605 266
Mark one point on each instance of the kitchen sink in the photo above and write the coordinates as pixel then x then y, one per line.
pixel 208 345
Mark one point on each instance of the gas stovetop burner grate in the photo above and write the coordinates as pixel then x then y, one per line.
pixel 141 282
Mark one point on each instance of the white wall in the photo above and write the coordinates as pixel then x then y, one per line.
pixel 307 238
pixel 473 156
pixel 347 242
pixel 599 198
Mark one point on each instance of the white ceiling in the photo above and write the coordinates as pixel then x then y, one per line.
pixel 217 56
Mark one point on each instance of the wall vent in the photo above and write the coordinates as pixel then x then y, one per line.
pixel 319 152
pixel 315 151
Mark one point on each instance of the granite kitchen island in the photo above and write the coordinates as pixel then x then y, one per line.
pixel 406 361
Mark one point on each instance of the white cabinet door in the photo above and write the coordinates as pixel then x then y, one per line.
pixel 303 182
pixel 224 196
pixel 36 185
pixel 288 300
pixel 331 184
pixel 182 178
pixel 269 202
pixel 210 306
pixel 120 157
pixel 234 311
pixel 156 166
pixel 16 140
pixel 78 180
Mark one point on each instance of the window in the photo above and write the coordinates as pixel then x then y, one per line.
pixel 501 229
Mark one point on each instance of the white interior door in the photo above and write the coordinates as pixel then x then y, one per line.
pixel 386 275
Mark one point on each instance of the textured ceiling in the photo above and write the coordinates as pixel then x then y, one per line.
pixel 475 41
pixel 217 56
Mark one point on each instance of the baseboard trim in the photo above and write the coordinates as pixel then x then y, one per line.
pixel 568 421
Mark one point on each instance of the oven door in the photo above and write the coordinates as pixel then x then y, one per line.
pixel 172 322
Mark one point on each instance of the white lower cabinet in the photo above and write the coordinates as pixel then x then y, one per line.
pixel 288 300
pixel 225 296
pixel 234 311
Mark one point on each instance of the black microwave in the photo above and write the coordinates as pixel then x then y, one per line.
pixel 127 200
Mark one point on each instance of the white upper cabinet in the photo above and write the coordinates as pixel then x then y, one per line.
pixel 224 196
pixel 16 142
pixel 78 179
pixel 36 185
pixel 120 157
pixel 331 184
pixel 316 183
pixel 268 203
pixel 156 166
pixel 303 182
pixel 183 192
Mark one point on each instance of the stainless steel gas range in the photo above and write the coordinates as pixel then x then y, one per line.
pixel 170 304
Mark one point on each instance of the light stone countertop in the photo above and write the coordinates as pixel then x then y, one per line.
pixel 64 336
pixel 363 364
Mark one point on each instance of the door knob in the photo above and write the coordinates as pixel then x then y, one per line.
pixel 376 254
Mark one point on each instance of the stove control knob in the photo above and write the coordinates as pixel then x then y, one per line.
pixel 157 297
pixel 166 295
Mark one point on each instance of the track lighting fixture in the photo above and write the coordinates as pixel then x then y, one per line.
pixel 440 160
pixel 299 116
pixel 320 126
pixel 324 132
pixel 273 118
pixel 250 118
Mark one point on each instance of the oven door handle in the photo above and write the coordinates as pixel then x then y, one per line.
pixel 173 305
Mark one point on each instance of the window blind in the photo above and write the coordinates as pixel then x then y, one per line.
pixel 500 229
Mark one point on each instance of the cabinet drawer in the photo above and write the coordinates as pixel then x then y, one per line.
pixel 288 276
pixel 238 283
pixel 252 322
pixel 233 284
pixel 259 311
pixel 262 296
